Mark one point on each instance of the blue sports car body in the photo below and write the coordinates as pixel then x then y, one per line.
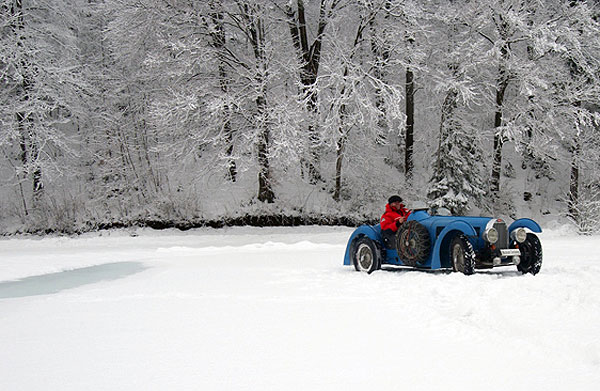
pixel 458 242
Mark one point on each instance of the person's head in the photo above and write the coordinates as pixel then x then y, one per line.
pixel 395 201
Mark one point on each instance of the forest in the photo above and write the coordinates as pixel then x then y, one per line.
pixel 184 113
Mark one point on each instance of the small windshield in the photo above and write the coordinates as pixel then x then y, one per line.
pixel 437 211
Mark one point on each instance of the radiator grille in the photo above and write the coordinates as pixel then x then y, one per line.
pixel 502 234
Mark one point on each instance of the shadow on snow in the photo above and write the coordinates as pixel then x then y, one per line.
pixel 489 272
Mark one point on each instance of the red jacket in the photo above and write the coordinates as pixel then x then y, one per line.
pixel 391 215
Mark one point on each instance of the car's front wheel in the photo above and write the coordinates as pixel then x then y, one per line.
pixel 365 256
pixel 531 255
pixel 462 255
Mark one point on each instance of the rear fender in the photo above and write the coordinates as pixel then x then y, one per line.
pixel 525 223
pixel 372 232
pixel 442 242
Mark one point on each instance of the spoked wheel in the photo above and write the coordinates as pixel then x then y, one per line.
pixel 365 256
pixel 413 243
pixel 462 254
pixel 531 255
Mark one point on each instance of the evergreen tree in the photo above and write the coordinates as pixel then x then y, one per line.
pixel 456 182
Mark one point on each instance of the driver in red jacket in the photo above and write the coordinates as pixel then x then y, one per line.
pixel 395 214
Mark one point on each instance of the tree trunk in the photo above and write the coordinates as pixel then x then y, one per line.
pixel 381 53
pixel 501 86
pixel 339 159
pixel 256 32
pixel 498 144
pixel 38 184
pixel 340 143
pixel 310 57
pixel 574 183
pixel 231 165
pixel 346 91
pixel 574 180
pixel 410 123
pixel 265 189
pixel 218 42
pixel 25 123
pixel 30 153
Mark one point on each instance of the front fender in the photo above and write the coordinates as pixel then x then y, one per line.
pixel 525 223
pixel 372 232
pixel 443 239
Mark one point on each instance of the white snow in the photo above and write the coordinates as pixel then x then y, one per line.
pixel 274 309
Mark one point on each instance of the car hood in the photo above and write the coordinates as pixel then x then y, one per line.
pixel 425 219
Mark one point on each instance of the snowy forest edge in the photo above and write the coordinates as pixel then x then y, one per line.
pixel 182 114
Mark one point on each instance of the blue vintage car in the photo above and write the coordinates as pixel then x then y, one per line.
pixel 431 241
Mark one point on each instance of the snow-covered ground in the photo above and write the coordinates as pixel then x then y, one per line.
pixel 274 309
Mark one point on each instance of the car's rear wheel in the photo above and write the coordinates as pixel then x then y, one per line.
pixel 462 255
pixel 365 256
pixel 531 255
pixel 413 243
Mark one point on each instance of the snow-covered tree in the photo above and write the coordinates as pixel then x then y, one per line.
pixel 308 53
pixel 39 84
pixel 177 110
pixel 578 92
pixel 350 79
pixel 456 182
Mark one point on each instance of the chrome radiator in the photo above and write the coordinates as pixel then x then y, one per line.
pixel 500 226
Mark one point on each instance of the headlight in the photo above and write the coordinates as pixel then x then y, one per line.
pixel 520 235
pixel 491 235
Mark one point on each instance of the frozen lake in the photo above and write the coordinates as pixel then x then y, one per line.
pixel 274 309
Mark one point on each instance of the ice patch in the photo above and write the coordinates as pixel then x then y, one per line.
pixel 55 282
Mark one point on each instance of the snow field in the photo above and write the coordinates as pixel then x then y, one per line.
pixel 274 309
